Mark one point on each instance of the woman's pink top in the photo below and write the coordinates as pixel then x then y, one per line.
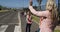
pixel 46 24
pixel 29 19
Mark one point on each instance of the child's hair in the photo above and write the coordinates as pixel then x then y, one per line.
pixel 28 12
pixel 54 9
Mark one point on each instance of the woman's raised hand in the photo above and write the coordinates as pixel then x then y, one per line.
pixel 31 2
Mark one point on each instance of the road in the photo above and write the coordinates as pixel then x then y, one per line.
pixel 13 21
pixel 9 21
pixel 9 18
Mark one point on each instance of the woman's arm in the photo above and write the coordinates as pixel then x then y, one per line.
pixel 37 13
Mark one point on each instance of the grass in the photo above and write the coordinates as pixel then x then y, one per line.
pixel 36 19
pixel 57 31
pixel 3 10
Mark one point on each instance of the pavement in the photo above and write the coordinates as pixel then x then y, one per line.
pixel 9 21
pixel 9 18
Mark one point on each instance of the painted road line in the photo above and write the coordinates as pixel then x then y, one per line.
pixel 17 29
pixel 3 28
pixel 19 21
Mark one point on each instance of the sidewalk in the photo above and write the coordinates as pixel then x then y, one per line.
pixel 19 19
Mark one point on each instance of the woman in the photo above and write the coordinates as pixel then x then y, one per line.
pixel 49 16
pixel 29 21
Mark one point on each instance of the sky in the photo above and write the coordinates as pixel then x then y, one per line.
pixel 19 3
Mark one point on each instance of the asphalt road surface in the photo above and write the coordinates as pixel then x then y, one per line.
pixel 13 21
pixel 9 18
pixel 9 21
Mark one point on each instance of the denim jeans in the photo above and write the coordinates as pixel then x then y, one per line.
pixel 28 26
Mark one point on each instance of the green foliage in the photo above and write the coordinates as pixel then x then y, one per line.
pixel 57 31
pixel 1 7
pixel 25 9
pixel 35 18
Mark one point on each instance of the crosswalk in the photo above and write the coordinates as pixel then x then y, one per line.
pixel 10 28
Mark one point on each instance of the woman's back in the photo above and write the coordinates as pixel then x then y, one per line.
pixel 46 23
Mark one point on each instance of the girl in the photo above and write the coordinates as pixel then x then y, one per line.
pixel 49 20
pixel 29 21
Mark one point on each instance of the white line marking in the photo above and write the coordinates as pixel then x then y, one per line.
pixel 17 29
pixel 19 21
pixel 3 28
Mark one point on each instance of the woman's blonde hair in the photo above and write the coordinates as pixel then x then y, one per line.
pixel 54 11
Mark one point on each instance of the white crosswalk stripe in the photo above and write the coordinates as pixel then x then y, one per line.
pixel 17 29
pixel 3 28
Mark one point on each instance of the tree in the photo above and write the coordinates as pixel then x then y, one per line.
pixel 39 2
pixel 0 7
